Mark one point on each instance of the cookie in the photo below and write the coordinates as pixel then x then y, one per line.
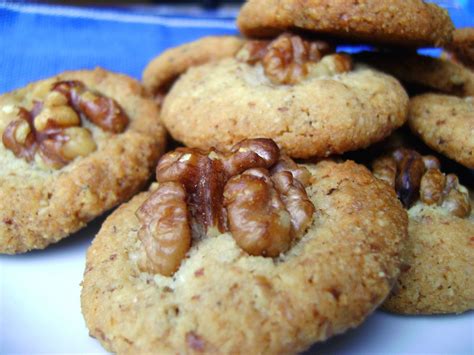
pixel 316 103
pixel 161 72
pixel 401 22
pixel 222 299
pixel 446 124
pixel 462 46
pixel 73 146
pixel 438 259
pixel 430 73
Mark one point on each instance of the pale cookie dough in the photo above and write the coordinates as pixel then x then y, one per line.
pixel 223 300
pixel 400 22
pixel 39 206
pixel 446 124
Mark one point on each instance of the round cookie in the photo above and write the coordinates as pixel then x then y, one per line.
pixel 438 258
pixel 161 72
pixel 400 22
pixel 446 124
pixel 223 300
pixel 433 73
pixel 220 103
pixel 40 205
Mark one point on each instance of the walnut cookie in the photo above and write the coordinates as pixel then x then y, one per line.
pixel 446 124
pixel 162 71
pixel 437 74
pixel 73 146
pixel 399 22
pixel 438 259
pixel 278 287
pixel 309 99
pixel 461 48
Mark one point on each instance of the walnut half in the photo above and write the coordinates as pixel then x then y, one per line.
pixel 251 191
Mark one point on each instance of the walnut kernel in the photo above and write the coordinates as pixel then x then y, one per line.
pixel 288 59
pixel 235 191
pixel 257 217
pixel 165 231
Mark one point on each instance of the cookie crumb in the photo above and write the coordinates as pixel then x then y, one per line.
pixel 194 341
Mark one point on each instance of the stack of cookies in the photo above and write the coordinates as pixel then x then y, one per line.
pixel 258 235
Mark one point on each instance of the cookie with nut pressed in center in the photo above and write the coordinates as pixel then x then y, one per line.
pixel 438 258
pixel 227 299
pixel 316 102
pixel 72 147
pixel 395 22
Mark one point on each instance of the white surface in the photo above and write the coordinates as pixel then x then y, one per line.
pixel 40 312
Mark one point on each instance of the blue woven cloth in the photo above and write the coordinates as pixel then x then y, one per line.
pixel 38 41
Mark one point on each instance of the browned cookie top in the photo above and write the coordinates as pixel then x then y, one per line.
pixel 399 22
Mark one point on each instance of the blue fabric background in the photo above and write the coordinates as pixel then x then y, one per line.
pixel 38 45
pixel 38 41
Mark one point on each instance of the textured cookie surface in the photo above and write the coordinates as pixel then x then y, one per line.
pixel 401 22
pixel 434 73
pixel 462 46
pixel 164 69
pixel 446 124
pixel 223 300
pixel 38 206
pixel 219 104
pixel 438 263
